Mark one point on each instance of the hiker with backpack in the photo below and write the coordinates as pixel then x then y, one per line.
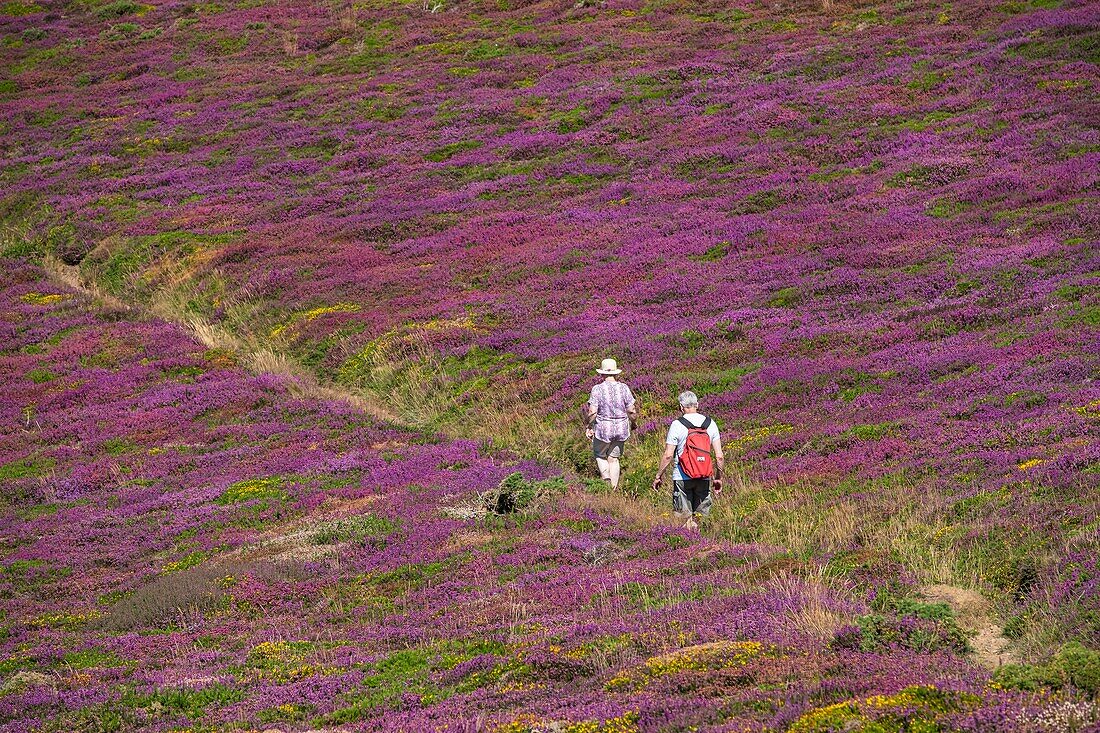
pixel 609 415
pixel 694 447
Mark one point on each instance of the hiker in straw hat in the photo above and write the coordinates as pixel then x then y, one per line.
pixel 609 416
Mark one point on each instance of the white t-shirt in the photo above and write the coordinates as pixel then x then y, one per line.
pixel 677 436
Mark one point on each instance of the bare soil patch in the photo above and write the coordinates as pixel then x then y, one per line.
pixel 992 649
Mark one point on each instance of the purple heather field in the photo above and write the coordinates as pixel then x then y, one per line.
pixel 300 301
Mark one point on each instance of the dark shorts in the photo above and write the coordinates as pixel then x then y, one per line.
pixel 692 496
pixel 607 449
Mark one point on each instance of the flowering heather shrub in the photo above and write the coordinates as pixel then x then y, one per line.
pixel 865 235
pixel 135 597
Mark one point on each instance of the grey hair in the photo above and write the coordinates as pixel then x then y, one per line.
pixel 689 399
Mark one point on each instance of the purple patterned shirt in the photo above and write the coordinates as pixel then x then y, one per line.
pixel 612 402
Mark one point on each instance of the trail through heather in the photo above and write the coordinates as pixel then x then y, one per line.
pixel 259 360
pixel 990 647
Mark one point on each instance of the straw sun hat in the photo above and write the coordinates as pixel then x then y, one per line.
pixel 609 367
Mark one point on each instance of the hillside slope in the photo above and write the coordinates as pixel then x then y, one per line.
pixel 191 548
pixel 866 233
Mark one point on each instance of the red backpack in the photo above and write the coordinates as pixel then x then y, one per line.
pixel 696 460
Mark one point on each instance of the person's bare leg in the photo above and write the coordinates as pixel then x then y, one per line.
pixel 605 469
pixel 613 472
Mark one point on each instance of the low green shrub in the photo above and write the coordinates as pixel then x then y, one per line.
pixel 1074 665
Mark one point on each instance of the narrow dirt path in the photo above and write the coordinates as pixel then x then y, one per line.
pixel 210 335
pixel 992 649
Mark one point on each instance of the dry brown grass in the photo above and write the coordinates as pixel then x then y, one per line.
pixel 290 43
pixel 811 594
pixel 347 19
pixel 806 520
pixel 637 513
pixel 181 597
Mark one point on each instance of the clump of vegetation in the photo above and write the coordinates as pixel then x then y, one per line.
pixel 915 708
pixel 517 494
pixel 1074 665
pixel 270 487
pixel 904 623
pixel 359 529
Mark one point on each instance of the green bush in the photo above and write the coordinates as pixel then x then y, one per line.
pixel 1074 665
pixel 118 9
pixel 905 623
pixel 1080 667
pixel 517 494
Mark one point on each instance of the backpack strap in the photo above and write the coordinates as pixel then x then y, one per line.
pixel 691 426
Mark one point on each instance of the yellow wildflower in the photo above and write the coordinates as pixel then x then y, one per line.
pixel 43 298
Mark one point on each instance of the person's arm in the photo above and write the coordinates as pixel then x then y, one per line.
pixel 666 459
pixel 719 463
pixel 589 414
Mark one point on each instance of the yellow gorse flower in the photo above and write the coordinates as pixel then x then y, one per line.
pixel 852 714
pixel 65 620
pixel 307 316
pixel 43 298
pixel 1091 409
pixel 701 657
pixel 758 434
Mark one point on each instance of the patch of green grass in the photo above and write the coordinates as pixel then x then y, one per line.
pixel 1070 43
pixel 191 702
pixel 853 384
pixel 353 529
pixel 450 150
pixel 714 253
pixel 944 208
pixel 34 511
pixel 572 120
pixel 230 45
pixel 786 297
pixel 927 81
pixel 18 8
pixel 26 468
pixel 1026 399
pixel 119 445
pixel 833 175
pixel 725 381
pixel 1074 293
pixel 380 110
pixel 11 665
pixel 41 376
pixel 400 672
pixel 760 202
pixel 1015 7
pixel 189 560
pixel 122 8
pixel 871 431
pixel 91 658
pixel 122 268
